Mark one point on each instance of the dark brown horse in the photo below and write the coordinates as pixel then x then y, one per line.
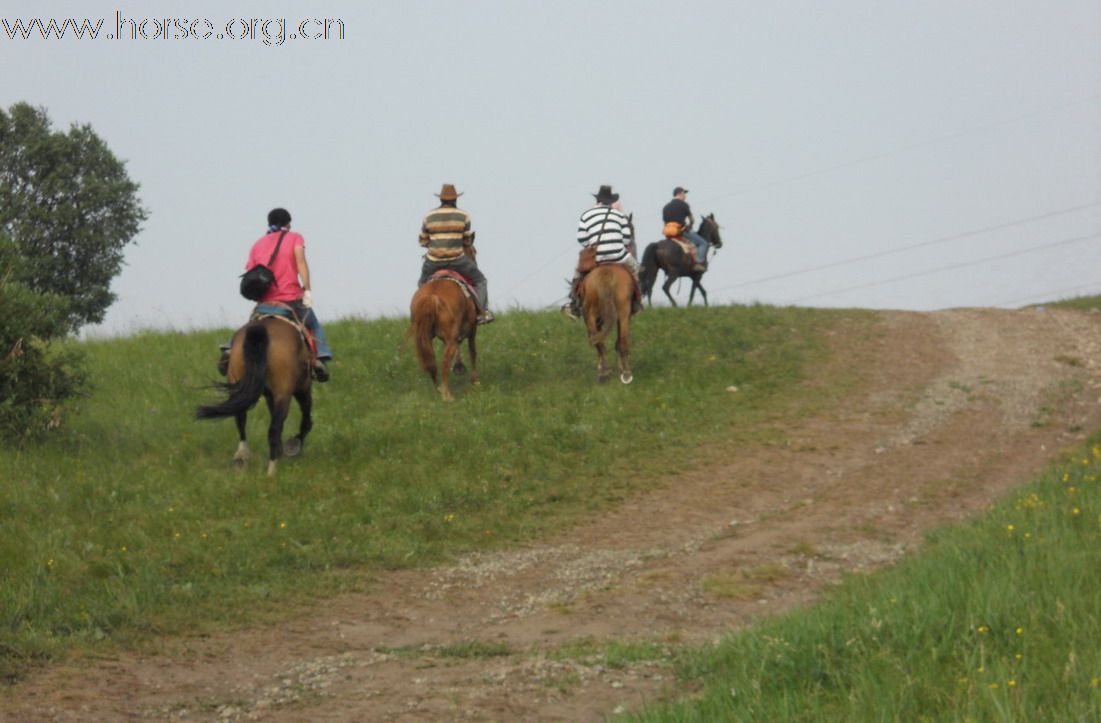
pixel 668 256
pixel 441 310
pixel 268 358
pixel 605 303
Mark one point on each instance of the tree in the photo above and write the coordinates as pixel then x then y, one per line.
pixel 69 208
pixel 35 378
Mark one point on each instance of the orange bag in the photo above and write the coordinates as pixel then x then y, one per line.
pixel 672 229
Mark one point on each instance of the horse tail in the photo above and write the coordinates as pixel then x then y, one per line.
pixel 246 391
pixel 648 269
pixel 609 313
pixel 426 310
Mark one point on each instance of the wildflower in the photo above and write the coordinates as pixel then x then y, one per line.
pixel 1011 683
pixel 1010 528
pixel 1020 631
pixel 1018 657
pixel 122 549
pixel 176 536
pixel 1095 682
pixel 449 517
pixel 51 562
pixel 1075 512
pixel 282 525
pixel 983 630
pixel 1028 535
pixel 1071 491
pixel 993 686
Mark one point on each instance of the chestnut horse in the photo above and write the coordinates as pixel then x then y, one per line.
pixel 671 258
pixel 441 310
pixel 268 357
pixel 606 302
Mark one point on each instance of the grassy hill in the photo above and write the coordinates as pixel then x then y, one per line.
pixel 132 521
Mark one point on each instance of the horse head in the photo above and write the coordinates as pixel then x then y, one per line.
pixel 709 229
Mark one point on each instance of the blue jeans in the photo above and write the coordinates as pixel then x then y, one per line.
pixel 309 319
pixel 700 243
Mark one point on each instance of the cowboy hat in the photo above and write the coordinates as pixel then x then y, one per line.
pixel 448 193
pixel 605 195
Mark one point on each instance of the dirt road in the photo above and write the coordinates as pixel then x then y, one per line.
pixel 954 408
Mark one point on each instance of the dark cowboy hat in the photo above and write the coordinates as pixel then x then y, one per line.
pixel 448 193
pixel 605 195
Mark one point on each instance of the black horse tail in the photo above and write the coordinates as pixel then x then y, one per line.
pixel 648 269
pixel 246 391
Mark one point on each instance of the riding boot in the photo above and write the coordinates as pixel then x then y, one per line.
pixel 223 362
pixel 320 371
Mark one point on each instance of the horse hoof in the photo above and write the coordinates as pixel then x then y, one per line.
pixel 292 447
pixel 626 377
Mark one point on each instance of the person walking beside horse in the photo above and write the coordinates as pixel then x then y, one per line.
pixel 606 235
pixel 677 217
pixel 447 237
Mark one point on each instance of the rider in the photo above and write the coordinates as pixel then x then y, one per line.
pixel 678 211
pixel 291 287
pixel 606 227
pixel 446 234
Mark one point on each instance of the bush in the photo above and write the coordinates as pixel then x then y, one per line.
pixel 35 376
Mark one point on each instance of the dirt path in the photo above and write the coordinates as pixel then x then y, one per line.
pixel 955 408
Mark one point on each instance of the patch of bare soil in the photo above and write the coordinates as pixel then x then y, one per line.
pixel 953 409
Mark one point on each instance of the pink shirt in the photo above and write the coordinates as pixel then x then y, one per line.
pixel 284 267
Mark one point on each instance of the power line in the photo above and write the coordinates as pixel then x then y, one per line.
pixel 951 267
pixel 943 239
pixel 901 149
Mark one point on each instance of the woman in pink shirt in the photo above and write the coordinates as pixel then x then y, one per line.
pixel 291 286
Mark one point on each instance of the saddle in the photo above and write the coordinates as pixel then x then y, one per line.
pixel 673 231
pixel 287 314
pixel 465 283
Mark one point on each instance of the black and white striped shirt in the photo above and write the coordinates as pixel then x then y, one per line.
pixel 609 229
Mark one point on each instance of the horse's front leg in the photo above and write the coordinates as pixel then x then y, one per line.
pixel 243 454
pixel 473 356
pixel 665 287
pixel 293 447
pixel 703 294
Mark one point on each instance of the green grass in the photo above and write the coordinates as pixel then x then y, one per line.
pixel 998 619
pixel 131 521
pixel 1086 303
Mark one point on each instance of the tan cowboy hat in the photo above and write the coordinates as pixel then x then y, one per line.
pixel 448 193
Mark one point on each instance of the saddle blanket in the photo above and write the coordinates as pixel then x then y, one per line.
pixel 464 283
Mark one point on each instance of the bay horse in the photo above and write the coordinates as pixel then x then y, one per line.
pixel 668 256
pixel 441 310
pixel 605 295
pixel 268 357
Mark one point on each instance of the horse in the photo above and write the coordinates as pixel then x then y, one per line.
pixel 441 310
pixel 606 302
pixel 268 357
pixel 668 256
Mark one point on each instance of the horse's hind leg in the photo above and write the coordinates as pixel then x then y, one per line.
pixel 242 455
pixel 450 351
pixel 622 343
pixel 279 409
pixel 601 362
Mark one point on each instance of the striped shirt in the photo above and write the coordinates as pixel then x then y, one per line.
pixel 445 231
pixel 608 229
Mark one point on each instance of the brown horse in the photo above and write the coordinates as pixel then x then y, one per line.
pixel 440 310
pixel 268 357
pixel 606 302
pixel 668 256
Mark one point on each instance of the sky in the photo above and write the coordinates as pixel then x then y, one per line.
pixel 918 155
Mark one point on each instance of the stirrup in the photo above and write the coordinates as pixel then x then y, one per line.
pixel 320 371
pixel 487 317
pixel 570 311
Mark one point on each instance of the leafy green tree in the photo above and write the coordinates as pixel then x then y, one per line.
pixel 69 207
pixel 35 376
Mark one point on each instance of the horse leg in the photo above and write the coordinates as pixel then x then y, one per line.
pixel 665 287
pixel 293 447
pixel 242 456
pixel 279 409
pixel 473 357
pixel 621 348
pixel 692 291
pixel 601 363
pixel 450 351
pixel 697 285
